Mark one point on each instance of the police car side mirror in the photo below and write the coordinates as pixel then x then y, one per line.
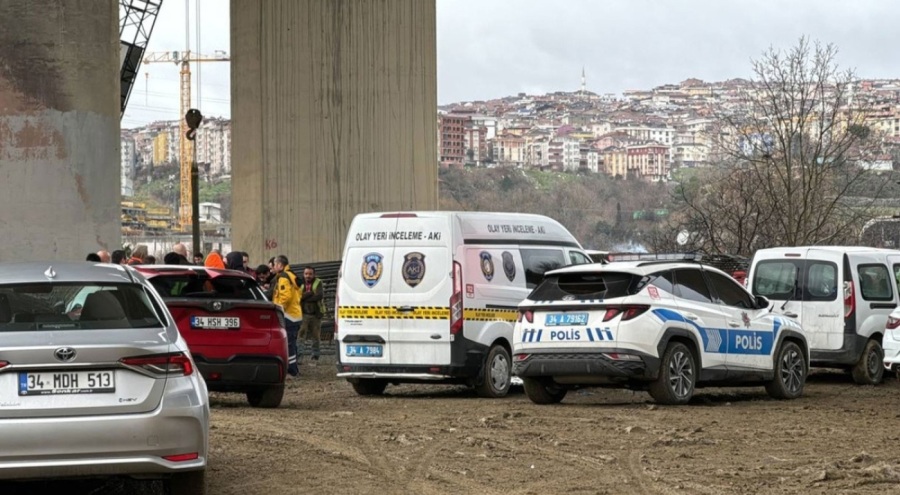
pixel 762 302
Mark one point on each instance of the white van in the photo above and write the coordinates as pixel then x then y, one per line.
pixel 431 297
pixel 842 297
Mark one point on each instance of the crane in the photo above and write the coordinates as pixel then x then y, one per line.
pixel 136 21
pixel 185 148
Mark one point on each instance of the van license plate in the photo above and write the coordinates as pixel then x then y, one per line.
pixel 215 322
pixel 562 319
pixel 364 350
pixel 69 383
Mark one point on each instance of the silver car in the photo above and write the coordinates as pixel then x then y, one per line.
pixel 95 379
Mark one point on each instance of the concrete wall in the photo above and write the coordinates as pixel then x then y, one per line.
pixel 59 128
pixel 334 108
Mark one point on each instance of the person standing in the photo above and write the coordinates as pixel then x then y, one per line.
pixel 139 255
pixel 287 295
pixel 312 302
pixel 104 256
pixel 119 257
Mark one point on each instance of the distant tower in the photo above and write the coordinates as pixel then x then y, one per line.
pixel 583 83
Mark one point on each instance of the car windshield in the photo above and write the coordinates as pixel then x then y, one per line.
pixel 586 285
pixel 76 306
pixel 201 285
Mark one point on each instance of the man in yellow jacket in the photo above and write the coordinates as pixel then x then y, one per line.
pixel 287 295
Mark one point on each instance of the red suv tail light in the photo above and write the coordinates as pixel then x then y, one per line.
pixel 162 364
pixel 526 315
pixel 4 364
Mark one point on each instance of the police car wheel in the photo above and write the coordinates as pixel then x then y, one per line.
pixel 542 391
pixel 496 379
pixel 869 370
pixel 790 372
pixel 677 376
pixel 368 386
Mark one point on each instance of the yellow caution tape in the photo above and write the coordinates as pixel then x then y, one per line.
pixel 423 313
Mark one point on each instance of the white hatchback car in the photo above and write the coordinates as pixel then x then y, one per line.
pixel 95 379
pixel 666 327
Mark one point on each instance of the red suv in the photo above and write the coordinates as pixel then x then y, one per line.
pixel 235 334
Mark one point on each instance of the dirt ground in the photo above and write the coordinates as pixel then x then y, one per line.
pixel 838 438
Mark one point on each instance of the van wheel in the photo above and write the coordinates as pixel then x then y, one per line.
pixel 869 370
pixel 496 374
pixel 677 376
pixel 542 391
pixel 790 373
pixel 368 386
pixel 267 397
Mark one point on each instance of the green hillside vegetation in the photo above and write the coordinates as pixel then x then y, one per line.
pixel 602 212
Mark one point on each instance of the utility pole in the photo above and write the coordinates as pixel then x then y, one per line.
pixel 193 118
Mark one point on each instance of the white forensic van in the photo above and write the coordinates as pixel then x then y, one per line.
pixel 841 296
pixel 431 297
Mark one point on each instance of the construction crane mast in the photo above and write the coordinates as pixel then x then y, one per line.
pixel 185 147
pixel 136 21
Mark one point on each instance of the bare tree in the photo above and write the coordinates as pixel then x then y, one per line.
pixel 789 158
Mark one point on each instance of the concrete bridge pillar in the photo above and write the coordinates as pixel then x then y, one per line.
pixel 334 109
pixel 59 128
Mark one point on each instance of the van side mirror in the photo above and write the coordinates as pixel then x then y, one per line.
pixel 762 302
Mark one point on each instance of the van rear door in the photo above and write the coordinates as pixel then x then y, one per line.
pixel 421 284
pixel 823 307
pixel 365 291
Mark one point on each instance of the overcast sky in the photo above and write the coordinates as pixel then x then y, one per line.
pixel 494 48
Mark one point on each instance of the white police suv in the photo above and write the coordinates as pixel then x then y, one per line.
pixel 665 327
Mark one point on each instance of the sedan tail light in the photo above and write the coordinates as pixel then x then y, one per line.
pixel 162 364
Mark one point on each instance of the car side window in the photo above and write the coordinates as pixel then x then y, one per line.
pixel 690 285
pixel 664 281
pixel 897 276
pixel 577 258
pixel 874 283
pixel 729 292
pixel 537 262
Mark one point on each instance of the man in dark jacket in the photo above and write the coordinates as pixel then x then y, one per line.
pixel 235 261
pixel 312 301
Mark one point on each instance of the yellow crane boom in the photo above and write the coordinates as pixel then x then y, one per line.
pixel 185 147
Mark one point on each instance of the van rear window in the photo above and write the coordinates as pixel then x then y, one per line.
pixel 776 279
pixel 806 280
pixel 586 285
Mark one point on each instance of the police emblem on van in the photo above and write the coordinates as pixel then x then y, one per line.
pixel 372 268
pixel 487 266
pixel 413 268
pixel 509 266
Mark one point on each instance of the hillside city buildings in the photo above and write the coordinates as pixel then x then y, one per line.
pixel 642 134
pixel 157 144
